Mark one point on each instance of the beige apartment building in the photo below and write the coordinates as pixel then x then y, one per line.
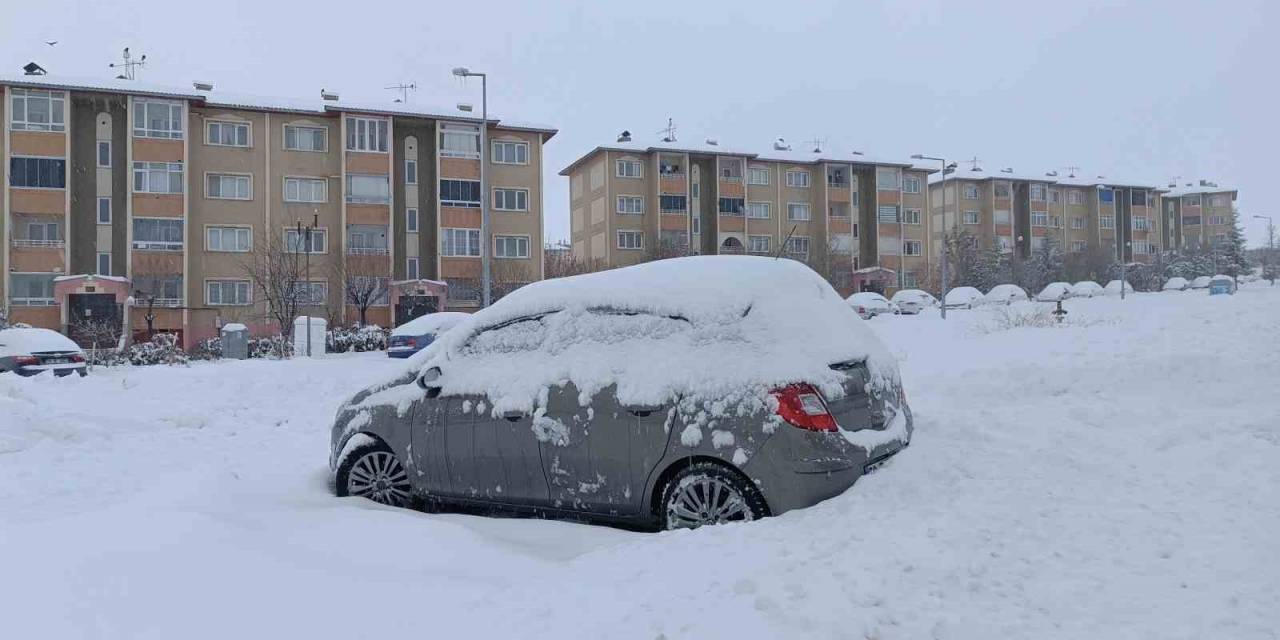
pixel 118 191
pixel 857 220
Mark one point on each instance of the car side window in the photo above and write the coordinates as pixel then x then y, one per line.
pixel 520 334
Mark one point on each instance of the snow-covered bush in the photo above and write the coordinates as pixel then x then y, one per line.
pixel 209 349
pixel 1018 315
pixel 370 337
pixel 275 347
pixel 161 349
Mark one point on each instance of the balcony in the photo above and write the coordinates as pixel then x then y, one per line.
pixel 368 251
pixel 144 245
pixel 34 302
pixel 51 244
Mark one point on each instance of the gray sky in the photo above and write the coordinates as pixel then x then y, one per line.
pixel 1148 89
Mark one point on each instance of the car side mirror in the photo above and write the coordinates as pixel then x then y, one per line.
pixel 430 381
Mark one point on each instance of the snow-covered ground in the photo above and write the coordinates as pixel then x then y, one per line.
pixel 1115 477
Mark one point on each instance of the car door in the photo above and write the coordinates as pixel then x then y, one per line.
pixel 427 432
pixel 491 458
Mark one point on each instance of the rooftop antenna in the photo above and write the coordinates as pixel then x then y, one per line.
pixel 130 65
pixel 974 164
pixel 404 90
pixel 669 133
pixel 1071 170
pixel 1173 182
pixel 817 143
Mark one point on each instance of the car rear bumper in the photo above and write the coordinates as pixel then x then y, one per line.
pixel 57 369
pixel 401 352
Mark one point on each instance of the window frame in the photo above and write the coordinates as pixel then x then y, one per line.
pixel 101 144
pixel 412 268
pixel 977 217
pixel 146 171
pixel 970 192
pixel 456 129
pixel 907 217
pixel 318 232
pixel 911 180
pixel 411 216
pixel 639 235
pixel 807 208
pixel 169 245
pixel 752 170
pixel 351 198
pixel 495 156
pixel 621 210
pixel 619 172
pixel 919 248
pixel 220 175
pixel 373 139
pixel 221 283
pixel 12 173
pixel 411 171
pixel 141 107
pixel 792 181
pixel 97 214
pixel 284 137
pixel 448 235
pixel 791 242
pixel 518 191
pixel 52 97
pixel 458 203
pixel 528 246
pixel 222 229
pixel 97 263
pixel 768 210
pixel 234 124
pixel 307 179
pixel 768 243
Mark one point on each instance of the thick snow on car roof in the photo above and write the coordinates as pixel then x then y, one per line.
pixel 25 341
pixel 703 328
pixel 430 323
pixel 960 295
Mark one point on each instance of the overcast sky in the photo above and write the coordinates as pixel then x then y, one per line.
pixel 1149 90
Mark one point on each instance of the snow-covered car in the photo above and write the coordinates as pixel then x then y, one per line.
pixel 414 335
pixel 1113 288
pixel 913 301
pixel 670 394
pixel 30 351
pixel 1201 282
pixel 1176 283
pixel 1222 284
pixel 1005 294
pixel 1054 291
pixel 869 304
pixel 1086 289
pixel 963 298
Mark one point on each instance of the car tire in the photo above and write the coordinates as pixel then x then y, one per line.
pixel 373 471
pixel 706 493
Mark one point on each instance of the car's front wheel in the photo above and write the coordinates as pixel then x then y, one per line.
pixel 373 471
pixel 706 493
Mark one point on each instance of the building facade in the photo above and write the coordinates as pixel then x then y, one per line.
pixel 114 189
pixel 858 221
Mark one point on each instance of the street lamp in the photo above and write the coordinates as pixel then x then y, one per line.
pixel 1271 231
pixel 945 169
pixel 486 245
pixel 304 238
pixel 1124 268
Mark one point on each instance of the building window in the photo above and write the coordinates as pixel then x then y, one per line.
pixel 971 217
pixel 911 216
pixel 671 204
pixel 31 289
pixel 300 138
pixel 411 268
pixel 310 293
pixel 1039 218
pixel 1075 196
pixel 1217 220
pixel 695 225
pixel 1077 223
pixel 630 239
pixel 911 247
pixel 1218 200
pixel 460 242
pixel 157 177
pixel 366 240
pixel 758 244
pixel 970 192
pixel 376 189
pixel 841 243
pixel 236 239
pixel 1037 192
pixel 1077 246
pixel 410 171
pixel 1002 190
pixel 909 279
pixel 38 173
pixel 798 211
pixel 911 184
pixel 799 179
pixel 1107 222
pixel 157 119
pixel 732 206
pixel 225 186
pixel 1139 247
pixel 104 210
pixel 296 242
pixel 511 246
pixel 1140 223
pixel 1191 201
pixel 1002 217
pixel 888 214
pixel 42 234
pixel 366 134
pixel 1106 195
pixel 227 292
pixel 888 178
pixel 226 134
pixel 758 210
pixel 628 169
pixel 854 230
pixel 631 205
pixel 510 152
pixel 1055 196
pixel 36 110
pixel 311 190
pixel 104 153
pixel 459 141
pixel 460 193
pixel 411 220
pixel 797 246
pixel 758 175
pixel 104 263
pixel 511 199
pixel 157 234
pixel 1191 221
pixel 1138 198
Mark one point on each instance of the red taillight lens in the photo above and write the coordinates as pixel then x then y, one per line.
pixel 802 406
pixel 77 358
pixel 861 310
pixel 23 361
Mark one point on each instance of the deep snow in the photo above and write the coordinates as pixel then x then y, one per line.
pixel 1114 478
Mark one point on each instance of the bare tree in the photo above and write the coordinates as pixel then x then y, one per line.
pixel 362 287
pixel 155 282
pixel 559 265
pixel 509 275
pixel 276 271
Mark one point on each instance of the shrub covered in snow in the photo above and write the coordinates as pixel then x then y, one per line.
pixel 208 349
pixel 161 349
pixel 370 337
pixel 275 347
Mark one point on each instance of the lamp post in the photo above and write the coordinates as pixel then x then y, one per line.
pixel 485 244
pixel 1271 248
pixel 304 239
pixel 943 163
pixel 1124 269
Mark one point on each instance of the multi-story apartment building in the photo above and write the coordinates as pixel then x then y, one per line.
pixel 1017 212
pixel 857 220
pixel 1200 213
pixel 117 191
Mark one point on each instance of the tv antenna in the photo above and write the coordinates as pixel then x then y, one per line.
pixel 817 143
pixel 130 65
pixel 1071 170
pixel 404 90
pixel 669 133
pixel 974 164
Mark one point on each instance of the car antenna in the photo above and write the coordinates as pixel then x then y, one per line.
pixel 783 246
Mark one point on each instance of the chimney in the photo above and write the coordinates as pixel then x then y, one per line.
pixel 328 96
pixel 202 86
pixel 33 69
pixel 625 136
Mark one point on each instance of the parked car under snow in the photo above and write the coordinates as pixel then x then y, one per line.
pixel 671 394
pixel 963 298
pixel 1086 289
pixel 417 334
pixel 869 304
pixel 29 351
pixel 1005 294
pixel 1176 283
pixel 913 301
pixel 1054 291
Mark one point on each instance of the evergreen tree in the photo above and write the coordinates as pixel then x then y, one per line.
pixel 1230 256
pixel 962 258
pixel 1045 265
pixel 991 268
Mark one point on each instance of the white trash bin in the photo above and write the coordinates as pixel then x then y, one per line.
pixel 319 328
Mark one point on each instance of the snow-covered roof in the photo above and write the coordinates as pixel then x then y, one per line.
pixel 111 85
pixel 91 276
pixel 796 154
pixel 1045 177
pixel 1195 189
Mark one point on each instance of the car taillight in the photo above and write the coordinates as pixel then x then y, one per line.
pixel 23 361
pixel 861 310
pixel 802 406
pixel 75 357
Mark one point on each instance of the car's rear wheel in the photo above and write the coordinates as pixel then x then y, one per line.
pixel 373 471
pixel 706 493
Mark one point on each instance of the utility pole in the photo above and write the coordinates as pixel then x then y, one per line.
pixel 304 236
pixel 486 246
pixel 945 170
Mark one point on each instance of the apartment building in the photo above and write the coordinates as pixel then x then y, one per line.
pixel 1019 212
pixel 118 190
pixel 856 219
pixel 1197 214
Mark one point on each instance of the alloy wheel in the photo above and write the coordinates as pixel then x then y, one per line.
pixel 380 477
pixel 703 499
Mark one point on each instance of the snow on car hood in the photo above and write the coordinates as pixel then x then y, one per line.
pixel 25 341
pixel 711 330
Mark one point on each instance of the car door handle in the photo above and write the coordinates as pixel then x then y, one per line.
pixel 513 416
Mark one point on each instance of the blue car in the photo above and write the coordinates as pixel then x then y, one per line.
pixel 414 335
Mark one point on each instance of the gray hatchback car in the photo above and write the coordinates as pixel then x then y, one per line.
pixel 411 441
